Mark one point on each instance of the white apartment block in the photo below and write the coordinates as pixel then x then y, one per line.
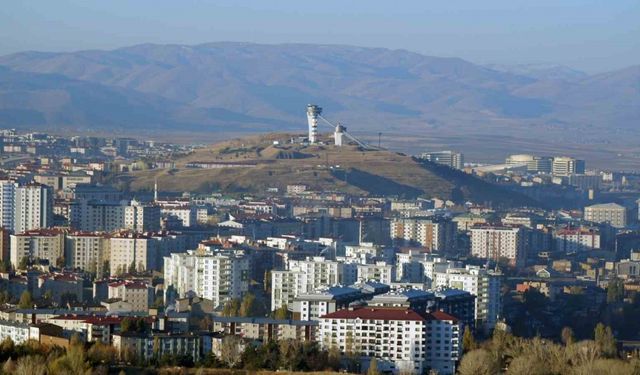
pixel 379 271
pixel 575 240
pixel 7 203
pixel 17 332
pixel 43 244
pixel 305 276
pixel 433 234
pixel 401 340
pixel 87 251
pixel 93 216
pixel 215 275
pixel 496 242
pixel 33 208
pixel 482 283
pixel 607 213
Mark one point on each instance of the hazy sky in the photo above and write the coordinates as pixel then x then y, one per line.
pixel 586 34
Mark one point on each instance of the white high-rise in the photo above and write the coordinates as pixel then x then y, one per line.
pixel 482 283
pixel 7 203
pixel 33 207
pixel 215 275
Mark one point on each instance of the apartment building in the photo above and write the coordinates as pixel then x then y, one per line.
pixel 215 275
pixel 139 294
pixel 498 242
pixel 44 244
pixel 402 340
pixel 483 284
pixel 87 251
pixel 435 234
pixel 607 213
pixel 576 240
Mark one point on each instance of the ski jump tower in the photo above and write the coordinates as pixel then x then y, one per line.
pixel 313 113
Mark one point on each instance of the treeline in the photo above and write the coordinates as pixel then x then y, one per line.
pixel 34 358
pixel 507 354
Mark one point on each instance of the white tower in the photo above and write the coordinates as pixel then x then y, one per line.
pixel 339 135
pixel 313 111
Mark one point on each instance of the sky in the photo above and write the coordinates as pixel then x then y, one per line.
pixel 589 35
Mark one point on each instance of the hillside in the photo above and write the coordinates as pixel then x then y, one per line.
pixel 258 164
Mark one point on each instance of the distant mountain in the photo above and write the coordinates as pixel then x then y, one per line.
pixel 542 71
pixel 256 87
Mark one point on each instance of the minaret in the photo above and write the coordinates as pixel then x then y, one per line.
pixel 155 190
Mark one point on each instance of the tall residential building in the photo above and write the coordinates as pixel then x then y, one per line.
pixel 565 166
pixel 539 164
pixel 305 276
pixel 436 234
pixel 496 242
pixel 480 282
pixel 215 275
pixel 33 207
pixel 401 340
pixel 449 158
pixel 7 203
pixel 133 251
pixel 45 244
pixel 87 251
pixel 575 240
pixel 607 213
pixel 103 216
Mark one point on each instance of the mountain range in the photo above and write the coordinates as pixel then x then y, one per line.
pixel 251 87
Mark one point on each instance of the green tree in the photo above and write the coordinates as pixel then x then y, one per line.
pixel 605 341
pixel 281 313
pixel 132 267
pixel 26 301
pixel 468 341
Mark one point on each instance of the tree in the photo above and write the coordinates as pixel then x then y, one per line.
pixel 230 350
pixel 132 267
pixel 6 348
pixel 373 367
pixel 130 324
pixel 468 341
pixel 605 340
pixel 615 291
pixel 101 353
pixel 281 313
pixel 4 266
pixel 31 365
pixel 26 302
pixel 567 336
pixel 231 308
pixel 248 306
pixel 477 362
pixel 291 356
pixel 24 263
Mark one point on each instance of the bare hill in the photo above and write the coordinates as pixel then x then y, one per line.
pixel 252 165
